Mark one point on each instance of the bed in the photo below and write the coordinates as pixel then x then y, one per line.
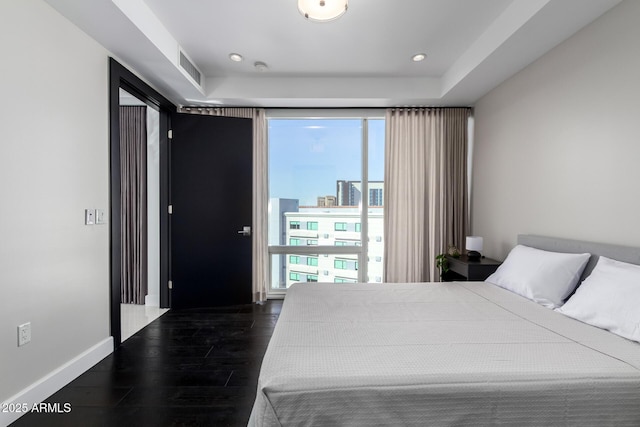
pixel 462 353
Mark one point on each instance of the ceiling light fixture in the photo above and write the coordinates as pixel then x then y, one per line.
pixel 235 57
pixel 418 57
pixel 322 10
pixel 261 66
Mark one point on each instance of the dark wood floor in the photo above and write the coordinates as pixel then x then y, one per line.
pixel 187 368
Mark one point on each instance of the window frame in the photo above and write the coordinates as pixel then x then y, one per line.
pixel 343 264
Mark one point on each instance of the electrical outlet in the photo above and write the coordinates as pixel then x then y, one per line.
pixel 100 216
pixel 89 216
pixel 24 334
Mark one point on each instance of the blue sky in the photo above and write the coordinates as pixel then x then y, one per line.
pixel 308 156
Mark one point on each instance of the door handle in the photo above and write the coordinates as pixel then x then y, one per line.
pixel 246 231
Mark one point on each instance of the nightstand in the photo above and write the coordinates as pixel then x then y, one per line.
pixel 461 268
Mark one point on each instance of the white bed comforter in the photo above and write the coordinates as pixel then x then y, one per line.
pixel 433 354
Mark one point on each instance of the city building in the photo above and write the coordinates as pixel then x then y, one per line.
pixel 326 201
pixel 338 226
pixel 349 193
pixel 277 234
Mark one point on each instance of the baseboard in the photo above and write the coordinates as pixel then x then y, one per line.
pixel 55 380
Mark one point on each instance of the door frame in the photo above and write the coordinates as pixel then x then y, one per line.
pixel 120 77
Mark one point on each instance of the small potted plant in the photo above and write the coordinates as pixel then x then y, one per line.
pixel 441 261
pixel 442 264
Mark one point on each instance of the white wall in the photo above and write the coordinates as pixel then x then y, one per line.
pixel 54 270
pixel 557 147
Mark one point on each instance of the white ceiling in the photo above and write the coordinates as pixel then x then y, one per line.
pixel 363 59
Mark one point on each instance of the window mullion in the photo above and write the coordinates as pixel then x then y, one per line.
pixel 364 202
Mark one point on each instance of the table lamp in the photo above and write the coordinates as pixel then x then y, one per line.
pixel 474 246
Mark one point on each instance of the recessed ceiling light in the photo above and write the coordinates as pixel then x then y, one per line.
pixel 418 57
pixel 236 57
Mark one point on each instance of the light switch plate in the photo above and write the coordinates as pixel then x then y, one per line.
pixel 89 216
pixel 101 216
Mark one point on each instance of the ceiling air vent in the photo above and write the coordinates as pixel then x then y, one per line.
pixel 190 68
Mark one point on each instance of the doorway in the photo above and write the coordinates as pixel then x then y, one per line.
pixel 121 78
pixel 140 303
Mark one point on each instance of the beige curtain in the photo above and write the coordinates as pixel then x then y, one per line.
pixel 260 255
pixel 133 204
pixel 425 207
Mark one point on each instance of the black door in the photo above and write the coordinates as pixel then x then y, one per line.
pixel 211 194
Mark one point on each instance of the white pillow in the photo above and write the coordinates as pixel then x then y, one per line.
pixel 609 299
pixel 547 278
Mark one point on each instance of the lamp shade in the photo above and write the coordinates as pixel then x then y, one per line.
pixel 322 10
pixel 474 243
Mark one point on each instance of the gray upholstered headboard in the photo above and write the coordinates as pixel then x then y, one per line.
pixel 620 253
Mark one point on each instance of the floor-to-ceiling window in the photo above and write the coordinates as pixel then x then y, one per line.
pixel 326 194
